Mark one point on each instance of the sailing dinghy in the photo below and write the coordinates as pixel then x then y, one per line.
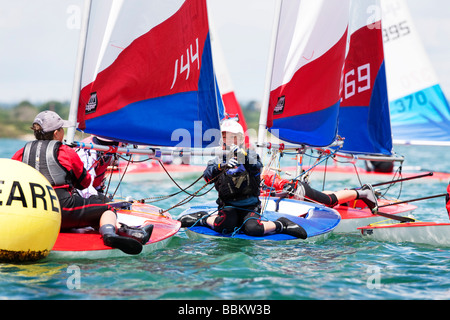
pixel 420 114
pixel 87 243
pixel 430 233
pixel 316 220
pixel 419 110
pixel 328 78
pixel 364 117
pixel 145 71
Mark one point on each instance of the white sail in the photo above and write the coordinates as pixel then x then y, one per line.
pixel 416 98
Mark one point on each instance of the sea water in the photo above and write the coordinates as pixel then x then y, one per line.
pixel 340 267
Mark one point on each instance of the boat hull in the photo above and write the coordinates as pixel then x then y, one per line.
pixel 430 233
pixel 317 220
pixel 359 215
pixel 87 243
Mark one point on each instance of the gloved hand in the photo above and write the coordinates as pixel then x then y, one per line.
pixel 238 153
pixel 233 162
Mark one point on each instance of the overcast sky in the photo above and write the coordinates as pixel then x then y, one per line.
pixel 39 38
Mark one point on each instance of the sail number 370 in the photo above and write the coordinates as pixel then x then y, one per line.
pixel 357 81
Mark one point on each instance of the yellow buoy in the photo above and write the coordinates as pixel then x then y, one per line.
pixel 30 214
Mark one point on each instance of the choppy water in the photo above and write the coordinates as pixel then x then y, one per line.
pixel 339 267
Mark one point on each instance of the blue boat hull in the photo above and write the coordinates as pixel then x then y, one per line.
pixel 315 219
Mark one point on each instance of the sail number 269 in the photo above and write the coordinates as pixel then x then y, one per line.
pixel 357 80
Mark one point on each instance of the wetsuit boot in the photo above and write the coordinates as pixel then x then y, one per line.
pixel 286 226
pixel 113 240
pixel 367 195
pixel 141 234
pixel 189 220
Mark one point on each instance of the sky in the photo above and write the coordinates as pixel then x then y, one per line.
pixel 39 39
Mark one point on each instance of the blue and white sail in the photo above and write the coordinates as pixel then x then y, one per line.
pixel 420 112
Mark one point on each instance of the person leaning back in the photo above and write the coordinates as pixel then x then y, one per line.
pixel 64 169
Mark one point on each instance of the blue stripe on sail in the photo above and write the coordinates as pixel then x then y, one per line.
pixel 363 140
pixel 175 120
pixel 317 129
pixel 134 125
pixel 367 130
pixel 421 116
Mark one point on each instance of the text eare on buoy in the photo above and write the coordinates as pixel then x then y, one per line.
pixel 30 214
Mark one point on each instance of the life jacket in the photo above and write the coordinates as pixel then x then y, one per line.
pixel 274 182
pixel 237 184
pixel 43 156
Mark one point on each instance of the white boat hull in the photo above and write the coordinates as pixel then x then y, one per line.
pixel 430 233
pixel 360 216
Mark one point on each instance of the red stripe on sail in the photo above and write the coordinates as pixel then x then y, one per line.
pixel 362 65
pixel 152 65
pixel 313 87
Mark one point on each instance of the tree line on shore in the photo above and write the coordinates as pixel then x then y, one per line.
pixel 16 120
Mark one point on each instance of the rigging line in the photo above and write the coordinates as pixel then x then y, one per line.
pixel 306 172
pixel 121 178
pixel 203 218
pixel 135 161
pixel 173 180
pixel 161 198
pixel 266 198
pixel 394 178
pixel 195 194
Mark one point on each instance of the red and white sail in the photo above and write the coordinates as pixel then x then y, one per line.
pixel 148 72
pixel 306 77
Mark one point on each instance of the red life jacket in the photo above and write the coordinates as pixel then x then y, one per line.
pixel 274 181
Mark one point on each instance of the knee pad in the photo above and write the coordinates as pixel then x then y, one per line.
pixel 226 221
pixel 254 227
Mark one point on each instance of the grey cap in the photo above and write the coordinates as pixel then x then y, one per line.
pixel 50 121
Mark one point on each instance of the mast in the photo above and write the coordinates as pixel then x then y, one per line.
pixel 269 72
pixel 78 72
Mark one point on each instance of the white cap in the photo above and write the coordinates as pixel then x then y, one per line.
pixel 232 126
